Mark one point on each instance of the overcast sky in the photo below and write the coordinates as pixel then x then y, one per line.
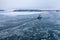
pixel 30 4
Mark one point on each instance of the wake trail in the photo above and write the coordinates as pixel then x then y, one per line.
pixel 10 31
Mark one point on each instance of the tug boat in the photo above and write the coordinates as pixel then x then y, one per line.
pixel 39 17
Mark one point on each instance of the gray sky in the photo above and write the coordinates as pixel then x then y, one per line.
pixel 30 4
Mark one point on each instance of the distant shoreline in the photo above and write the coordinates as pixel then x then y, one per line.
pixel 32 10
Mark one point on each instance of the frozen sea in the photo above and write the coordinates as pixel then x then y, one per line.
pixel 26 26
